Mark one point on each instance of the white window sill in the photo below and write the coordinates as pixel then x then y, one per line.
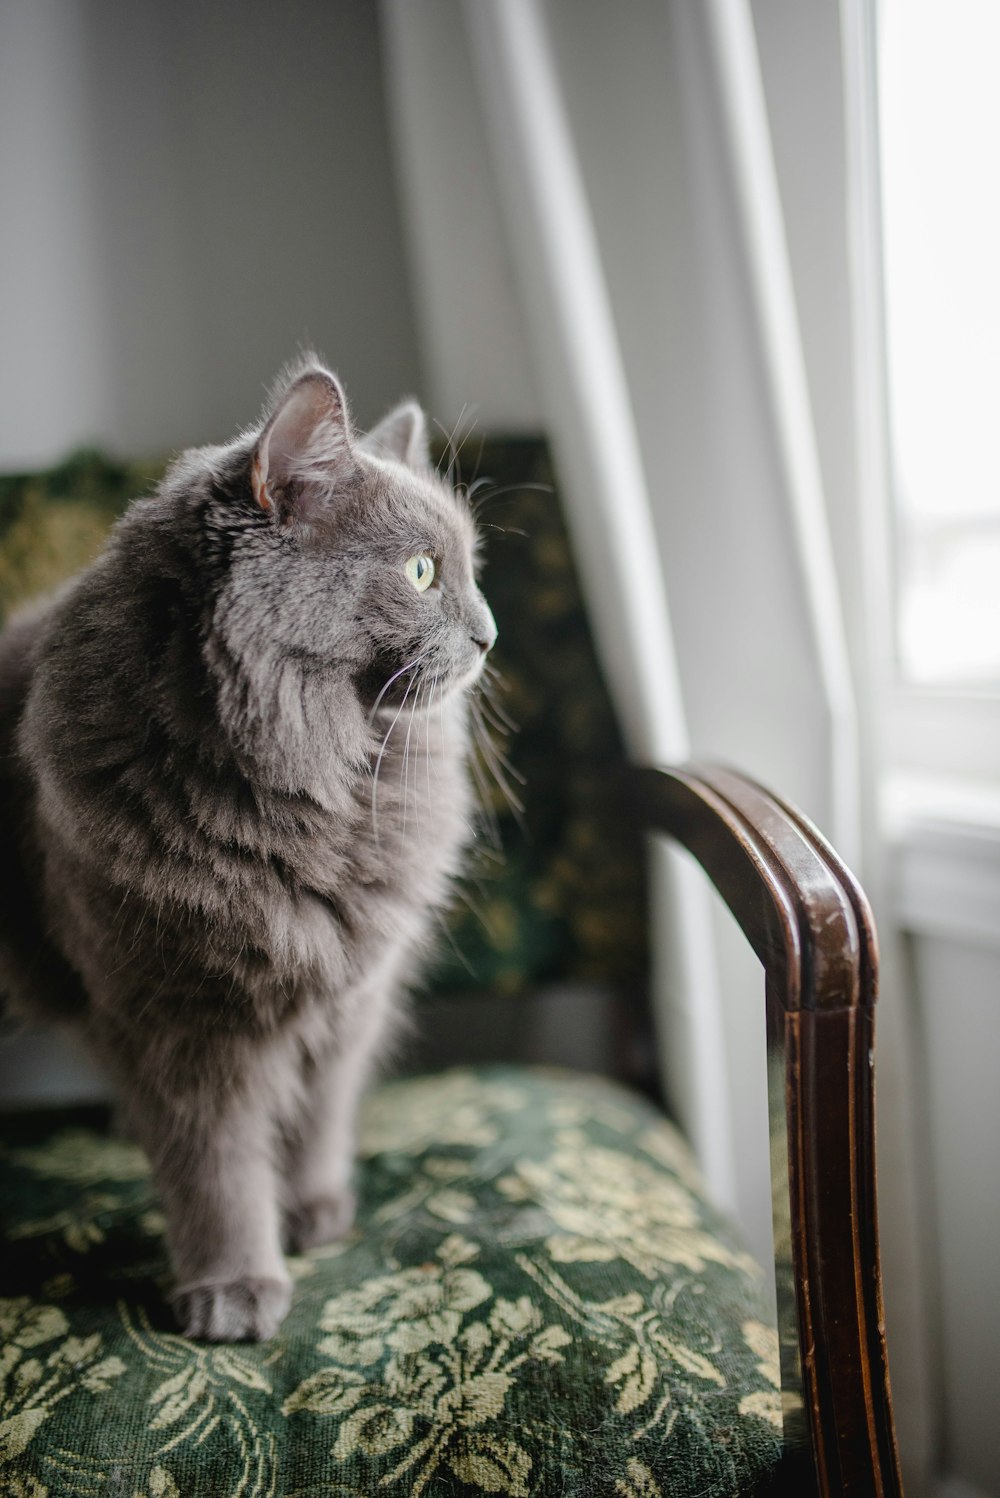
pixel 944 834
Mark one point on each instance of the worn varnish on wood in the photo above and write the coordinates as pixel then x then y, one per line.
pixel 810 924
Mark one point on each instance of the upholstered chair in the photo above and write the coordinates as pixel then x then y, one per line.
pixel 537 1298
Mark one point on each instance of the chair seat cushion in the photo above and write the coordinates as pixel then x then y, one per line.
pixel 536 1300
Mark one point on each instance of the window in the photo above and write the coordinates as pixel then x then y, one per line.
pixel 939 115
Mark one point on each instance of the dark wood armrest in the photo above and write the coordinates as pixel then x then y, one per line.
pixel 810 924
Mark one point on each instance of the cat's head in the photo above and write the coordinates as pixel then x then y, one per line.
pixel 345 551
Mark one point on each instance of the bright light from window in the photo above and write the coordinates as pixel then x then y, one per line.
pixel 939 63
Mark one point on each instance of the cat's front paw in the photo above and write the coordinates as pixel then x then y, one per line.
pixel 323 1219
pixel 246 1310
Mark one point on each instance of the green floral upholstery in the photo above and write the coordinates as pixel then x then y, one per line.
pixel 536 1300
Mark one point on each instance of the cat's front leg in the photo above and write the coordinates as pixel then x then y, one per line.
pixel 213 1166
pixel 320 1198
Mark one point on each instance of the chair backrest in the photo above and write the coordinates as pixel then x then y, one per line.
pixel 810 924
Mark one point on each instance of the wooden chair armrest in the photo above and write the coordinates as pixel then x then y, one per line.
pixel 810 924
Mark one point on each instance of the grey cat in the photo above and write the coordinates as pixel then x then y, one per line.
pixel 233 769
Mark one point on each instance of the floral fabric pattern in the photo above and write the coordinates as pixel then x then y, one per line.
pixel 536 1300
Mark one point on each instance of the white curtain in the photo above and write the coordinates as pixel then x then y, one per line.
pixel 556 279
pixel 630 228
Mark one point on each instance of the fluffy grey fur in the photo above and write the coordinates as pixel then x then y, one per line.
pixel 232 760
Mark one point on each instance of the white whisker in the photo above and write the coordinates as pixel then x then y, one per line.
pixel 501 720
pixel 489 816
pixel 405 771
pixel 410 666
pixel 426 741
pixel 442 736
pixel 496 763
pixel 381 753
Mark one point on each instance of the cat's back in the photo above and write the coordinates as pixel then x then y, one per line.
pixel 18 651
pixel 34 977
pixel 99 655
pixel 20 646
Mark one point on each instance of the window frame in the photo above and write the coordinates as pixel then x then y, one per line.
pixel 935 729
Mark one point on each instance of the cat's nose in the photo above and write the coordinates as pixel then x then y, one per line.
pixel 484 631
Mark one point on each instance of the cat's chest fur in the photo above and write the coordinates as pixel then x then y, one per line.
pixel 265 902
pixel 363 871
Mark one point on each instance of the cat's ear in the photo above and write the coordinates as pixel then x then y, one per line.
pixel 304 448
pixel 402 436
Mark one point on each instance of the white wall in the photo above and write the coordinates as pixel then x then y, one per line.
pixel 944 837
pixel 472 333
pixel 56 377
pixel 957 988
pixel 190 193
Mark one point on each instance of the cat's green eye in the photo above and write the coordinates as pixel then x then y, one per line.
pixel 420 570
